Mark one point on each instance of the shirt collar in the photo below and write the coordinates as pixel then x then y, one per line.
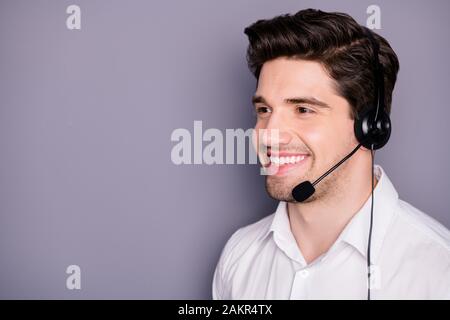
pixel 282 233
pixel 356 232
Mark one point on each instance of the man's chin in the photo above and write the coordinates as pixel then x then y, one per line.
pixel 286 196
pixel 279 190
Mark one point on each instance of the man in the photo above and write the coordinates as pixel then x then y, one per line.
pixel 315 74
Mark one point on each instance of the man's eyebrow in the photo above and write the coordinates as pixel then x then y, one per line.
pixel 307 100
pixel 294 100
pixel 258 99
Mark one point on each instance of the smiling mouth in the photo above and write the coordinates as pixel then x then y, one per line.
pixel 281 163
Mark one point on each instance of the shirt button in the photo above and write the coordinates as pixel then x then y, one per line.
pixel 304 273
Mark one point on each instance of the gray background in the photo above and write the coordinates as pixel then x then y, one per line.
pixel 85 124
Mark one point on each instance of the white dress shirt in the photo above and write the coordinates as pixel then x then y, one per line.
pixel 410 255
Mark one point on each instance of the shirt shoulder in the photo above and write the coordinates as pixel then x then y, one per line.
pixel 236 246
pixel 418 248
pixel 245 237
pixel 424 227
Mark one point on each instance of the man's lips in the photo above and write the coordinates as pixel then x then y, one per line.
pixel 281 162
pixel 281 166
pixel 285 154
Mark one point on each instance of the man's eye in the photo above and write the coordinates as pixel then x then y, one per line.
pixel 262 110
pixel 304 110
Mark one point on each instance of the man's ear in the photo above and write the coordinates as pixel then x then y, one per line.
pixel 354 141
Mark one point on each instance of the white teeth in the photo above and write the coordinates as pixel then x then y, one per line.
pixel 286 160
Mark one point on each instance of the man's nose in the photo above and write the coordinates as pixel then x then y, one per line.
pixel 276 132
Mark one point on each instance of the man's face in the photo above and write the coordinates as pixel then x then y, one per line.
pixel 298 98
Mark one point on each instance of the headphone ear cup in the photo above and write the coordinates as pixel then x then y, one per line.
pixel 370 133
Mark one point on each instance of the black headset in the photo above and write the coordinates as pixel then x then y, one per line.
pixel 373 124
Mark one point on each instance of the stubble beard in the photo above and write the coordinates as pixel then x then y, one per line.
pixel 280 188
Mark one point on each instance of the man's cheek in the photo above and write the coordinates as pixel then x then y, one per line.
pixel 320 145
pixel 257 140
pixel 314 139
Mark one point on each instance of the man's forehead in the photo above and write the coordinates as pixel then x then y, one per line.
pixel 291 77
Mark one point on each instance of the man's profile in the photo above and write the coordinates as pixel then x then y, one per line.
pixel 315 76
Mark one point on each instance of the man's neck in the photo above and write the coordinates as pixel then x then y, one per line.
pixel 317 225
